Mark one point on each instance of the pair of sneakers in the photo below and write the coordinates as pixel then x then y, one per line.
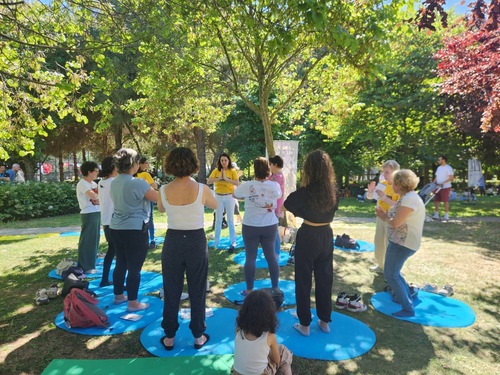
pixel 44 294
pixel 351 302
pixel 446 217
pixel 446 290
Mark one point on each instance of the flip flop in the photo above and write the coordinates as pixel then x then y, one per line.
pixel 298 328
pixel 199 346
pixel 167 347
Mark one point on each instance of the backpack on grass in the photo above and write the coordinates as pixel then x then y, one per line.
pixel 81 311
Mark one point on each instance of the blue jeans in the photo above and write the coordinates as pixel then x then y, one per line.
pixel 151 228
pixel 395 258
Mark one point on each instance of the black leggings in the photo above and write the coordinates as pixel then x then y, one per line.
pixel 131 251
pixel 110 254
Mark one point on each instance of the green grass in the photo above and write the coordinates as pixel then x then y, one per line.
pixel 465 254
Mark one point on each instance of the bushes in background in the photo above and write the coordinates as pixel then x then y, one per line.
pixel 37 199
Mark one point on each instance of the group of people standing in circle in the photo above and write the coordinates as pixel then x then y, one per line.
pixel 126 204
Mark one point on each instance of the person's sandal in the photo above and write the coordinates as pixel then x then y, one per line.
pixel 199 346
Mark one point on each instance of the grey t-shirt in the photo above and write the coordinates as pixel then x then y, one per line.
pixel 131 207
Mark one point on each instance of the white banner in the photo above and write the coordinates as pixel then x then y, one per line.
pixel 475 172
pixel 289 151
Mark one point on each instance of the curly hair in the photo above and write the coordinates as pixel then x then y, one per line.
pixel 87 167
pixel 219 165
pixel 107 166
pixel 318 177
pixel 406 180
pixel 125 158
pixel 181 162
pixel 261 168
pixel 257 314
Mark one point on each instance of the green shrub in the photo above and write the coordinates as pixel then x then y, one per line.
pixel 36 199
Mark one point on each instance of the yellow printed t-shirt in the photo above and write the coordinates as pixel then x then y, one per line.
pixel 145 176
pixel 223 187
pixel 390 193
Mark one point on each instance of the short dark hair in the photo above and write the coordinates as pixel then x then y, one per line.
pixel 257 314
pixel 261 168
pixel 444 158
pixel 276 160
pixel 219 165
pixel 107 166
pixel 125 158
pixel 88 166
pixel 181 162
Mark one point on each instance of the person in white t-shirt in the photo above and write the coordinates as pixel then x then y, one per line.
pixel 108 173
pixel 260 222
pixel 406 222
pixel 444 177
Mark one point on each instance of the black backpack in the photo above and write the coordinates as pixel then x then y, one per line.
pixel 347 242
pixel 72 281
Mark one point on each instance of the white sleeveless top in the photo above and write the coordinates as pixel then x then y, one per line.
pixel 187 216
pixel 250 357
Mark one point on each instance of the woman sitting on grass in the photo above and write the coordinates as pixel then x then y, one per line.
pixel 256 350
pixel 406 222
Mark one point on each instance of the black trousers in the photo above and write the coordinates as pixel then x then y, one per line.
pixel 110 254
pixel 131 249
pixel 314 254
pixel 184 252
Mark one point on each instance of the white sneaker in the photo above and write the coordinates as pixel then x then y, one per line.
pixel 435 216
pixel 376 269
pixel 446 217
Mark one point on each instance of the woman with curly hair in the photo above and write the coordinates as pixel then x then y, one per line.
pixel 185 248
pixel 256 350
pixel 405 221
pixel 316 202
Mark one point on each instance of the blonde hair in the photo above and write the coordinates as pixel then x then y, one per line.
pixel 406 180
pixel 392 164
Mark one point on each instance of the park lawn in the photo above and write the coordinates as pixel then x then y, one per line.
pixel 464 254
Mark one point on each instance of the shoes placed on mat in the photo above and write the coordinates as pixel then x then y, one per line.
pixel 152 245
pixel 41 297
pixel 446 290
pixel 342 301
pixel 376 269
pixel 430 288
pixel 53 291
pixel 355 303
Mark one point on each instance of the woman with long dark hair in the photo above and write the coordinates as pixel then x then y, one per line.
pixel 145 175
pixel 316 202
pixel 225 179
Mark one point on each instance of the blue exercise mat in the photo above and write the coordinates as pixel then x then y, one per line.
pixel 150 282
pixel 115 312
pixel 75 233
pixel 225 243
pixel 261 261
pixel 232 293
pixel 349 338
pixel 430 310
pixel 364 247
pixel 220 327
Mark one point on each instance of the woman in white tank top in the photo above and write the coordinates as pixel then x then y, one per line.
pixel 185 250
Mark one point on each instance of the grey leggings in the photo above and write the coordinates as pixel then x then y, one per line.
pixel 266 236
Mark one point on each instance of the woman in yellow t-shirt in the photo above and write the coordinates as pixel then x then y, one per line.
pixel 224 178
pixel 144 174
pixel 386 198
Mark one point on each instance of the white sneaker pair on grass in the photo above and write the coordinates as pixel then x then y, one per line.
pixel 446 217
pixel 446 290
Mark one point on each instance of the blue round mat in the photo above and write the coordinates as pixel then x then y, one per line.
pixel 220 327
pixel 114 312
pixel 232 293
pixel 225 243
pixel 349 338
pixel 430 310
pixel 150 282
pixel 261 261
pixel 75 233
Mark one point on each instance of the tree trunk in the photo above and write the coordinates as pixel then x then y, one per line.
pixel 266 123
pixel 199 136
pixel 61 166
pixel 75 166
pixel 84 155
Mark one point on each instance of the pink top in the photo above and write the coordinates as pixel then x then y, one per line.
pixel 280 179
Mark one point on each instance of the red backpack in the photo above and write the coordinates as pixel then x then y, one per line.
pixel 81 311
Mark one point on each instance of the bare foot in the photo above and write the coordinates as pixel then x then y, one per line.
pixel 323 326
pixel 303 330
pixel 120 298
pixel 137 306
